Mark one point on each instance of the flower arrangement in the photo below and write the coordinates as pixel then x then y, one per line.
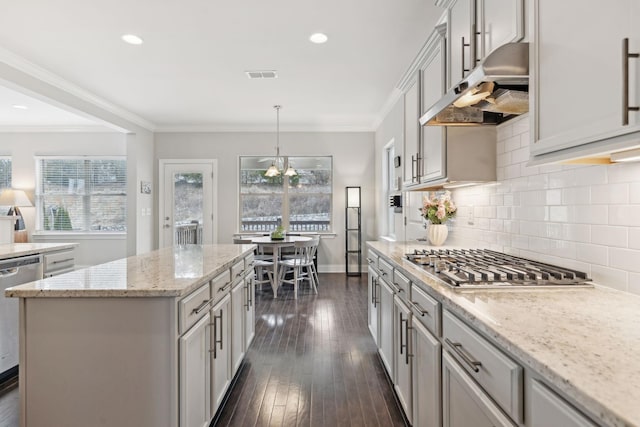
pixel 439 208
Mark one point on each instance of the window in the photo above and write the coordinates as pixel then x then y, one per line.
pixel 301 202
pixel 81 194
pixel 5 173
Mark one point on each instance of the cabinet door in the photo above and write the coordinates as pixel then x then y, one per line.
pixel 194 375
pixel 403 383
pixel 578 84
pixel 433 86
pixel 411 144
pixel 464 403
pixel 461 43
pixel 221 351
pixel 498 22
pixel 238 299
pixel 249 311
pixel 386 326
pixel 549 409
pixel 373 301
pixel 426 350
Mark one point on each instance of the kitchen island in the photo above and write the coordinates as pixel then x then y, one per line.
pixel 150 340
pixel 577 347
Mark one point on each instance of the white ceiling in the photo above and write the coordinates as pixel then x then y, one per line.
pixel 190 70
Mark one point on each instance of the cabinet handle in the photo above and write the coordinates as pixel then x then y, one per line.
pixel 224 288
pixel 246 295
pixel 401 343
pixel 419 309
pixel 375 293
pixel 201 307
pixel 215 334
pixel 625 81
pixel 474 44
pixel 464 70
pixel 406 335
pixel 469 360
pixel 398 288
pixel 62 260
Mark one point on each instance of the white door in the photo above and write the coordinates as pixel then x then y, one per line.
pixel 186 202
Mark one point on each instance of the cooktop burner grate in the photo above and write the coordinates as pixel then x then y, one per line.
pixel 467 268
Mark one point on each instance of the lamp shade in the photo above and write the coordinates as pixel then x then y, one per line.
pixel 10 197
pixel 353 197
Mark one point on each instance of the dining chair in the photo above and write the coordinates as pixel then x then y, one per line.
pixel 311 268
pixel 301 264
pixel 262 264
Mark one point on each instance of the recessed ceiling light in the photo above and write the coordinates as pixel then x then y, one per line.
pixel 132 39
pixel 318 38
pixel 20 107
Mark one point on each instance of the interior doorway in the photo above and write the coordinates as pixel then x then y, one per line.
pixel 187 202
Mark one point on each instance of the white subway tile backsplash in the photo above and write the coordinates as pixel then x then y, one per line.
pixel 634 237
pixel 576 216
pixel 593 254
pixel 625 259
pixel 628 215
pixel 609 236
pixel 610 194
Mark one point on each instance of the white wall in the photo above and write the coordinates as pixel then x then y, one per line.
pixel 22 147
pixel 140 207
pixel 582 217
pixel 353 165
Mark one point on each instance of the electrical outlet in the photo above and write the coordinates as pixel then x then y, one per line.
pixel 470 217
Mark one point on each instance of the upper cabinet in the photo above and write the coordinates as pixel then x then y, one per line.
pixel 586 82
pixel 478 27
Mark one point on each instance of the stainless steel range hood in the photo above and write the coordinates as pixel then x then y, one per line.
pixel 496 90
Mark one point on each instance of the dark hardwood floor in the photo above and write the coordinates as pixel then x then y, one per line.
pixel 312 363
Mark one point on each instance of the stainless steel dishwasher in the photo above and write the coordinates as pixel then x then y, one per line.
pixel 13 272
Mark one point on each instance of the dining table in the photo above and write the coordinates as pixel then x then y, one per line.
pixel 276 245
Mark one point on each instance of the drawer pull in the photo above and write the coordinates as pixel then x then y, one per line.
pixel 419 309
pixel 224 288
pixel 201 307
pixel 457 347
pixel 625 81
pixel 62 261
pixel 240 273
pixel 398 287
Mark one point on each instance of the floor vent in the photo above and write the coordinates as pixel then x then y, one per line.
pixel 262 74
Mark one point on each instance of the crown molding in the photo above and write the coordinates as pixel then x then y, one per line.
pixel 56 129
pixel 261 128
pixel 393 98
pixel 21 64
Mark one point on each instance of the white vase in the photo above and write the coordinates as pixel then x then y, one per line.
pixel 437 234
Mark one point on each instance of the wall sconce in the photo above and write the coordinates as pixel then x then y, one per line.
pixel 353 197
pixel 15 199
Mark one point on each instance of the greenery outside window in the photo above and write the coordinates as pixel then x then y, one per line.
pixel 81 194
pixel 299 203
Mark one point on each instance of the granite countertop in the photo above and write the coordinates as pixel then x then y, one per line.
pixel 584 341
pixel 169 272
pixel 11 250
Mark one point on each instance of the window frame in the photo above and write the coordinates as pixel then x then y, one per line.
pixel 86 198
pixel 8 157
pixel 286 194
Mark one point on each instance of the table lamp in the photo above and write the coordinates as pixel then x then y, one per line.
pixel 15 199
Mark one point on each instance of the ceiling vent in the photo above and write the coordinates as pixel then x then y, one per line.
pixel 262 74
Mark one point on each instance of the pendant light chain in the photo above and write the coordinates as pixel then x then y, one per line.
pixel 273 169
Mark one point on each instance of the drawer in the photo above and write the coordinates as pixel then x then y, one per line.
pixel 403 284
pixel 237 270
pixel 494 371
pixel 248 261
pixel 61 260
pixel 220 284
pixel 52 273
pixel 386 270
pixel 372 259
pixel 192 307
pixel 425 309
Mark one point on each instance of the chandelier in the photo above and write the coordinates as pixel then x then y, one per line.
pixel 273 169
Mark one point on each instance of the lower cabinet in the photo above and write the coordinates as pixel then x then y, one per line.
pixel 372 312
pixel 385 325
pixel 547 408
pixel 426 351
pixel 220 352
pixel 238 302
pixel 464 403
pixel 403 359
pixel 249 310
pixel 194 375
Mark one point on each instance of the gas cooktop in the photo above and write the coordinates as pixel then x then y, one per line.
pixel 483 268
